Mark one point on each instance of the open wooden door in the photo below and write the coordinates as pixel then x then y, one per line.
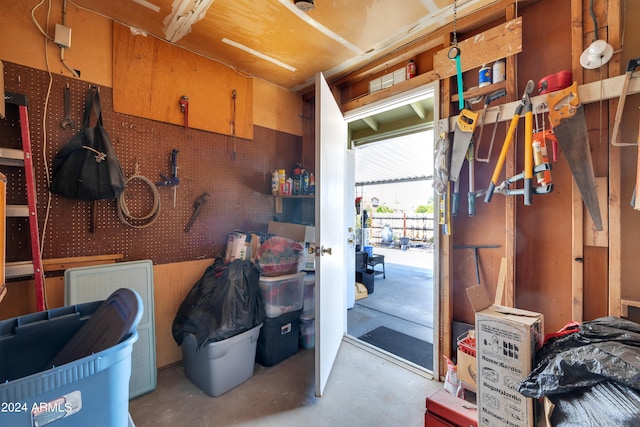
pixel 332 246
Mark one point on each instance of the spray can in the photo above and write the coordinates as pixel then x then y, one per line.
pixel 296 175
pixel 282 176
pixel 499 72
pixel 312 184
pixel 305 182
pixel 275 182
pixel 288 184
pixel 410 69
pixel 484 76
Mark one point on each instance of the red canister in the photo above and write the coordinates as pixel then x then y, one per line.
pixel 411 69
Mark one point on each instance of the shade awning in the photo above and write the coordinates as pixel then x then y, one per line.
pixel 401 159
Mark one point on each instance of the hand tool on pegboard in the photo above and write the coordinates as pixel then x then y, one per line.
pixel 197 207
pixel 631 67
pixel 566 114
pixel 184 107
pixel 67 122
pixel 172 181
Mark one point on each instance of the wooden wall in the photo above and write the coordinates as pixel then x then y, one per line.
pixel 239 184
pixel 561 267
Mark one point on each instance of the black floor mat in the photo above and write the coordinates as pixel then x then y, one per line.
pixel 402 345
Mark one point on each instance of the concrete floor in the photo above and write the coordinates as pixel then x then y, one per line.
pixel 363 390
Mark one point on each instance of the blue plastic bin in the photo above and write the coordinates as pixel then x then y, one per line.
pixel 369 250
pixel 91 391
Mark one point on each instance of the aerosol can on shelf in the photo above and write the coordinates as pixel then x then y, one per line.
pixel 305 181
pixel 281 180
pixel 275 182
pixel 312 184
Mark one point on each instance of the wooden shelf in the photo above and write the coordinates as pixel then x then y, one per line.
pixel 625 304
pixel 480 91
pixel 278 200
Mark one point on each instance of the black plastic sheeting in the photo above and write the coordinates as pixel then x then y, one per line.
pixel 607 404
pixel 223 303
pixel 591 375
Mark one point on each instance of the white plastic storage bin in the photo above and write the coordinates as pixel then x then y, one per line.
pixel 309 300
pixel 307 331
pixel 222 365
pixel 282 294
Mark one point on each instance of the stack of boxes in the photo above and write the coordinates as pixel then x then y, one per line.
pixel 282 297
pixel 289 303
pixel 506 343
pixel 308 316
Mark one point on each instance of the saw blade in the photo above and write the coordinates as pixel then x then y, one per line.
pixel 573 140
pixel 465 125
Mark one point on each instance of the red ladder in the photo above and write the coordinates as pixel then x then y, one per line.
pixel 23 158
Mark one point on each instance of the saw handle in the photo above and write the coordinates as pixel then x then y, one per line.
pixel 558 111
pixel 467 120
pixel 633 64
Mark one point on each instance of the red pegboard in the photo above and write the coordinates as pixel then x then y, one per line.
pixel 239 184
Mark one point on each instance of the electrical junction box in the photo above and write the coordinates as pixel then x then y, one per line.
pixel 63 36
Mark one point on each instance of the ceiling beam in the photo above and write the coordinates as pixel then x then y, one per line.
pixel 418 109
pixel 371 123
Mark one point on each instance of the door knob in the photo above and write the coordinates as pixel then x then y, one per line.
pixel 324 250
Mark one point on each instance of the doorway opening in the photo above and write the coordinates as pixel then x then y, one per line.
pixel 396 242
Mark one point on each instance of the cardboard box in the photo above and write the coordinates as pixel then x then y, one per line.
pixel 297 232
pixel 300 233
pixel 466 359
pixel 506 343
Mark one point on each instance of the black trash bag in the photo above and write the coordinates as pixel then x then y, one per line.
pixel 605 349
pixel 607 404
pixel 223 303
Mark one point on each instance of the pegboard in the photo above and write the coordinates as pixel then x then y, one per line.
pixel 235 172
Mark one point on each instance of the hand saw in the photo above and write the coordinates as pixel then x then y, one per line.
pixel 570 128
pixel 465 125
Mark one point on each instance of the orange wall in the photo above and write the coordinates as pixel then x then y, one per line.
pixel 91 53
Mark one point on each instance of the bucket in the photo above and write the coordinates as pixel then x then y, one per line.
pixel 404 243
pixel 369 250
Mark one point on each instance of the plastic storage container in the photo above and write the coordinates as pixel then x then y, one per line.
pixel 308 295
pixel 91 391
pixel 222 365
pixel 307 331
pixel 282 294
pixel 278 338
pixel 367 278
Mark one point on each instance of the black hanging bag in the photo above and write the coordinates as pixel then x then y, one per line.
pixel 86 167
